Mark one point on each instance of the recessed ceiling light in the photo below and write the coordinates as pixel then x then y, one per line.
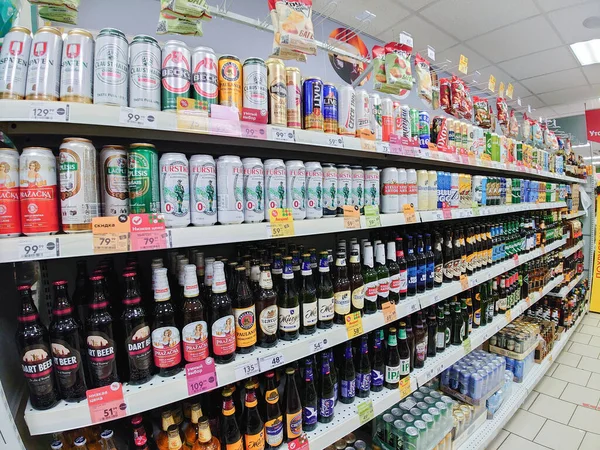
pixel 592 22
pixel 587 52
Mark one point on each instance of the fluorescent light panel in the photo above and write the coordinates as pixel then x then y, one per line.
pixel 587 52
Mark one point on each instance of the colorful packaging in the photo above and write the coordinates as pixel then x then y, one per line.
pixel 468 114
pixel 379 64
pixel 294 36
pixel 445 95
pixel 398 70
pixel 526 128
pixel 424 87
pixel 482 115
pixel 537 135
pixel 168 24
pixel 60 14
pixel 435 89
pixel 513 125
pixel 186 9
pixel 502 110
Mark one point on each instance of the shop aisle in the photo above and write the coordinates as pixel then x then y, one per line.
pixel 563 413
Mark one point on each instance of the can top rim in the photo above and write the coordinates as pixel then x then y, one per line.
pixel 76 139
pixel 49 30
pixel 81 31
pixel 144 36
pixel 254 59
pixel 20 28
pixel 117 147
pixel 274 160
pixel 273 60
pixel 176 42
pixel 355 167
pixel 114 31
pixel 206 49
pixel 312 78
pixel 37 148
pixel 8 149
pixel 292 69
pixel 233 57
pixel 141 144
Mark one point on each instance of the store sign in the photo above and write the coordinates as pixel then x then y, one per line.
pixel 592 122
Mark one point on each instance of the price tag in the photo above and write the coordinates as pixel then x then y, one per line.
pixel 406 39
pixel 508 316
pixel 137 117
pixel 463 64
pixel 106 403
pixel 447 213
pixel 409 214
pixel 39 248
pixel 49 111
pixel 365 411
pixel 200 376
pixel 368 145
pixel 335 141
pixel 252 130
pixel 501 89
pixel 281 223
pixel 351 217
pixel 110 234
pixel 148 232
pixel 431 52
pixel 283 134
pixel 476 211
pixel 247 369
pixel 492 83
pixel 515 259
pixel 467 345
pixel 464 282
pixel 372 216
pixel 383 147
pixel 389 312
pixel 354 326
pixel 405 387
pixel 509 91
pixel 519 101
pixel 270 362
pixel 300 443
pixel 317 346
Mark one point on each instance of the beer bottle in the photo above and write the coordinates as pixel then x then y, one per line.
pixel 490 302
pixel 440 335
pixel 411 267
pixel 458 330
pixel 476 298
pixel 66 343
pixel 467 295
pixel 191 432
pixel 166 342
pixel 421 265
pixel 289 307
pixel 341 290
pixel 273 417
pixel 383 276
pixel 431 332
pixel 394 271
pixel 293 407
pixel 469 251
pixel 308 298
pixel 420 341
pixel 206 441
pixel 314 261
pixel 174 438
pixel 162 440
pixel 195 328
pixel 254 427
pixel 107 441
pixel 402 269
pixel 463 252
pixel 465 319
pixel 357 284
pixel 231 436
pixel 222 321
pixel 363 369
pixel 325 293
pixel 266 309
pixel 370 279
pixel 502 301
pixel 100 342
pixel 448 323
pixel 244 312
pixel 392 363
pixel 309 398
pixel 297 269
pixel 326 398
pixel 138 340
pixel 448 257
pixel 255 277
pixel 495 296
pixel 277 271
pixel 484 303
pixel 209 275
pixel 334 373
pixel 403 351
pixel 478 248
pixel 456 255
pixel 438 260
pixel 410 339
pixel 347 376
pixel 82 292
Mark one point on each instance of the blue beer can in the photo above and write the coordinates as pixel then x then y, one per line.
pixel 330 108
pixel 312 104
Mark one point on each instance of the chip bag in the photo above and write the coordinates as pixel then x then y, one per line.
pixel 168 24
pixel 398 71
pixel 502 111
pixel 537 136
pixel 446 95
pixel 186 9
pixel 482 115
pixel 468 114
pixel 513 125
pixel 378 54
pixel 71 4
pixel 294 36
pixel 424 85
pixel 60 14
pixel 435 89
pixel 492 117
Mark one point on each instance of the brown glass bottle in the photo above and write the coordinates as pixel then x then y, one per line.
pixel 244 312
pixel 266 309
pixel 162 440
pixel 420 341
pixel 293 407
pixel 231 437
pixel 191 432
pixel 206 441
pixel 222 321
pixel 357 284
pixel 341 290
pixel 254 427
pixel 273 417
pixel 194 333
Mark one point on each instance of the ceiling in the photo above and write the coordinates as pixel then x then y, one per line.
pixel 523 42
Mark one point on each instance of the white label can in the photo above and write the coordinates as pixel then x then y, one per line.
pixel 203 183
pixel 314 190
pixel 14 59
pixel 10 214
pixel 347 111
pixel 376 118
pixel 175 189
pixel 363 114
pixel 275 185
pixel 111 68
pixel 296 188
pixel 113 179
pixel 358 187
pixel 402 189
pixel 344 186
pixel 329 190
pixel 256 96
pixel 43 73
pixel 230 190
pixel 412 197
pixel 77 67
pixel 372 186
pixel 433 186
pixel 423 190
pixel 145 61
pixel 254 190
pixel 389 190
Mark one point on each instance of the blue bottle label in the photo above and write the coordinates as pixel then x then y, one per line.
pixel 326 407
pixel 412 276
pixel 309 415
pixel 376 377
pixel 348 388
pixel 363 381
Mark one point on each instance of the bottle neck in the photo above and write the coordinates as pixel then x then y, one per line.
pixel 266 282
pixel 99 300
pixel 62 304
pixel 219 285
pixel 132 293
pixel 29 312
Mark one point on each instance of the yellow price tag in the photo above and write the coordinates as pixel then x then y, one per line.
pixel 467 345
pixel 492 83
pixel 192 115
pixel 281 222
pixel 464 282
pixel 351 217
pixel 405 387
pixel 389 312
pixel 501 89
pixel 372 216
pixel 368 145
pixel 365 411
pixel 110 234
pixel 508 316
pixel 463 64
pixel 354 326
pixel 409 214
pixel 509 91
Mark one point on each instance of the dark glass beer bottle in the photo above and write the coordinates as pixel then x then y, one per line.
pixel 289 306
pixel 326 391
pixel 465 318
pixel 277 271
pixel 244 313
pixel 403 351
pixel 341 290
pixel 411 267
pixel 370 279
pixel 383 276
pixel 430 260
pixel 448 257
pixel 402 269
pixel 266 309
pixel 421 265
pixel 195 327
pixel 347 376
pixel 394 271
pixel 231 437
pixel 431 333
pixel 324 293
pixel 363 369
pixel 357 284
pixel 308 298
pixel 476 298
pixel 440 335
pixel 273 417
pixel 377 362
pixel 458 326
pixel 309 398
pixel 420 341
pixel 293 407
pixel 222 321
pixel 254 427
pixel 83 291
pixel 438 261
pixel 392 362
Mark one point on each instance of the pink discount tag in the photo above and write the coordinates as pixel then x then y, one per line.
pixel 447 212
pixel 106 403
pixel 515 259
pixel 254 130
pixel 300 443
pixel 464 159
pixel 200 376
pixel 395 149
pixel 147 232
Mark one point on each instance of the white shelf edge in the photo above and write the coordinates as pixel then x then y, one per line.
pixel 575 215
pixel 566 289
pixel 568 252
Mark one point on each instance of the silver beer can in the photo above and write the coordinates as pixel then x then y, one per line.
pixel 205 76
pixel 77 67
pixel 412 191
pixel 423 190
pixel 254 75
pixel 296 188
pixel 175 189
pixel 145 60
pixel 347 111
pixel 275 185
pixel 111 68
pixel 358 187
pixel 14 59
pixel 43 72
pixel 433 185
pixel 330 181
pixel 372 186
pixel 254 190
pixel 203 185
pixel 344 186
pixel 402 189
pixel 389 190
pixel 230 187
pixel 314 190
pixel 376 117
pixel 113 180
pixel 363 114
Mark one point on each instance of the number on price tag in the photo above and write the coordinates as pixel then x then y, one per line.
pixel 405 386
pixel 39 248
pixel 464 282
pixel 247 369
pixel 383 147
pixel 365 411
pixel 409 214
pixel 281 223
pixel 335 141
pixel 368 145
pixel 283 134
pixel 148 232
pixel 110 234
pixel 200 376
pixel 252 130
pixel 106 403
pixel 389 312
pixel 476 211
pixel 317 346
pixel 137 117
pixel 354 326
pixel 372 216
pixel 52 111
pixel 467 345
pixel 351 217
pixel 270 362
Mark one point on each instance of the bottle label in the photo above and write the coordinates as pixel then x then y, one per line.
pixel 412 276
pixel 358 297
pixel 195 341
pixel 392 374
pixel 309 415
pixel 175 443
pixel 363 381
pixel 101 354
pixel 223 335
pixel 430 271
pixel 268 320
pixel 67 363
pixel 36 362
pixel 438 274
pixel 449 269
pixel 294 424
pixel 477 317
pixel 440 339
pixel 395 283
pixel 403 280
pixel 422 274
pixel 255 441
pixel 404 367
pixel 376 377
pixel 421 350
pixel 289 319
pixel 274 431
pixel 167 347
pixel 309 314
pixel 239 445
pixel 462 331
pixel 342 302
pixel 245 326
pixel 325 308
pixel 326 406
pixel 139 347
pixel 348 388
pixel 371 291
pixel 383 288
pixel 448 335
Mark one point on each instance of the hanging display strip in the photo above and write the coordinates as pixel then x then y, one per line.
pixel 78 245
pixel 566 289
pixel 570 251
pixel 162 391
pixel 89 115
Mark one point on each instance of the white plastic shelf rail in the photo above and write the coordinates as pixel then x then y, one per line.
pixel 568 288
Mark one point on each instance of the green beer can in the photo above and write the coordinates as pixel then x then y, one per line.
pixel 143 181
pixel 411 438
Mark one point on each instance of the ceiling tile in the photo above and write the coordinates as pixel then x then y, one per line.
pixel 555 81
pixel 387 13
pixel 522 38
pixel 415 4
pixel 550 5
pixel 592 73
pixel 520 91
pixel 476 61
pixel 570 95
pixel 533 101
pixel 468 18
pixel 540 63
pixel 422 32
pixel 546 113
pixel 569 110
pixel 568 21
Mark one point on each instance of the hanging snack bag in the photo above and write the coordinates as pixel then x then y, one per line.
pixel 446 95
pixel 60 14
pixel 398 71
pixel 71 4
pixel 537 135
pixel 513 125
pixel 435 89
pixel 424 85
pixel 294 36
pixel 492 117
pixel 379 64
pixel 468 104
pixel 186 9
pixel 456 95
pixel 482 115
pixel 502 110
pixel 168 24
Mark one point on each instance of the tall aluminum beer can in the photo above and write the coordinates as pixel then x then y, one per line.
pixel 113 180
pixel 145 59
pixel 111 68
pixel 77 67
pixel 203 185
pixel 175 189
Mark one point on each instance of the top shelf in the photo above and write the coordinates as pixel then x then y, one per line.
pixel 28 119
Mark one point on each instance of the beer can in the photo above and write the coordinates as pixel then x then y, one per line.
pixel 254 75
pixel 230 82
pixel 38 191
pixel 43 72
pixel 275 185
pixel 424 134
pixel 478 142
pixel 175 189
pixel 414 122
pixel 230 187
pixel 358 187
pixel 376 124
pixel 387 119
pixel 203 184
pixel 397 118
pixel 412 197
pixel 344 185
pixel 363 114
pixel 14 59
pixel 113 180
pixel 454 196
pixel 464 133
pixel 347 111
pixel 330 108
pixel 10 214
pixel 296 188
pixel 470 139
pixel 476 187
pixel 330 182
pixel 312 104
pixel 254 194
pixel 277 86
pixel 433 186
pixel 405 114
pixel 111 68
pixel 314 190
pixel 464 190
pixel 294 97
pixel 76 68
pixel 372 186
pixel 458 140
pixel 451 137
pixel 502 194
pixel 145 59
pixel 402 189
pixel 509 191
pixel 176 73
pixel 143 180
pixel 205 77
pixel 442 196
pixel 423 190
pixel 389 190
pixel 495 147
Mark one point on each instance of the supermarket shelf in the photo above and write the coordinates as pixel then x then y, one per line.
pixel 566 289
pixel 575 215
pixel 78 245
pixel 570 251
pixel 484 435
pixel 93 120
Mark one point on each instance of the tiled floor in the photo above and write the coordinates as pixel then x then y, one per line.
pixel 563 412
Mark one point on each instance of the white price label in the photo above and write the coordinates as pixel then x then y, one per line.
pixel 335 141
pixel 51 111
pixel 271 361
pixel 247 369
pixel 406 39
pixel 431 52
pixel 137 117
pixel 283 134
pixel 39 248
pixel 519 101
pixel 317 346
pixel 383 147
pixel 414 307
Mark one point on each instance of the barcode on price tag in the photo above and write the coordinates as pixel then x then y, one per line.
pixel 137 117
pixel 247 369
pixel 39 248
pixel 283 134
pixel 52 111
pixel 270 362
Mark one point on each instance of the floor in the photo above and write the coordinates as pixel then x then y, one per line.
pixel 563 412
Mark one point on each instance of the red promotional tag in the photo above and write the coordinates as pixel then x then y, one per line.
pixel 300 443
pixel 147 232
pixel 200 376
pixel 106 403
